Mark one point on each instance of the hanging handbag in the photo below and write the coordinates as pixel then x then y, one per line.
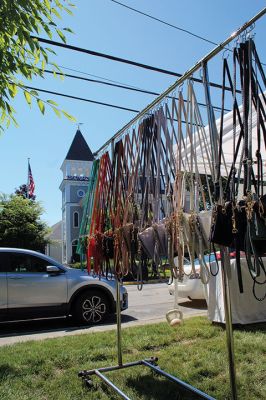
pixel 222 228
pixel 154 240
pixel 147 240
pixel 161 238
pixel 127 230
pixel 255 240
pixel 257 226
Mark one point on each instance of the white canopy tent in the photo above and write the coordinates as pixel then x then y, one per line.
pixel 203 160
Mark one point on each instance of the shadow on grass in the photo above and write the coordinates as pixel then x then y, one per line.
pixel 256 327
pixel 6 371
pixel 154 387
pixel 197 304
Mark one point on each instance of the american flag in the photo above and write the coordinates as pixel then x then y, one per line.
pixel 31 184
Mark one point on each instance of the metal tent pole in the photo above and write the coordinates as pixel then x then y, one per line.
pixel 225 262
pixel 118 324
pixel 118 297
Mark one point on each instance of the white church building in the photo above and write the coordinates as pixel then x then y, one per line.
pixel 76 172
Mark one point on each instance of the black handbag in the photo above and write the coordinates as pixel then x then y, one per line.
pixel 257 226
pixel 241 226
pixel 255 240
pixel 222 226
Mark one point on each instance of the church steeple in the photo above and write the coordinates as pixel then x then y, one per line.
pixel 76 172
pixel 79 149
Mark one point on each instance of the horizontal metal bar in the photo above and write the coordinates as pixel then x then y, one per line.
pixel 109 383
pixel 113 368
pixel 172 378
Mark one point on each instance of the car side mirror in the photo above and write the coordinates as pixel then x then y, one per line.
pixel 53 269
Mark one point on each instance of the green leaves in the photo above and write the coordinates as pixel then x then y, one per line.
pixel 52 102
pixel 68 116
pixel 47 4
pixel 61 35
pixel 55 12
pixel 34 93
pixel 28 94
pixel 12 88
pixel 23 55
pixel 56 111
pixel 41 105
pixel 27 97
pixel 20 223
pixel 68 30
pixel 59 112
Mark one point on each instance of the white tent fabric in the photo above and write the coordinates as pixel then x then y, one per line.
pixel 245 308
pixel 203 161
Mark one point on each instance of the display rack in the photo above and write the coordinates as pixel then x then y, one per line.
pixel 152 361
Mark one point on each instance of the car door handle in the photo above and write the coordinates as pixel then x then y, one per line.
pixel 15 277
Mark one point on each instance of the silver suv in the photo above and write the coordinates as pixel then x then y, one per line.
pixel 33 285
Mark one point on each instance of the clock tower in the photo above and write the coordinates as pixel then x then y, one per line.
pixel 76 171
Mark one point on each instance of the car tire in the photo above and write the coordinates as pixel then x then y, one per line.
pixel 91 307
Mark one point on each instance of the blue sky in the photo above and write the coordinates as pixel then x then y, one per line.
pixel 104 26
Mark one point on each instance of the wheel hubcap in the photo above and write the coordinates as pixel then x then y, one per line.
pixel 93 309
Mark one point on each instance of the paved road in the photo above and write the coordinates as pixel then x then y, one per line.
pixel 147 306
pixel 153 302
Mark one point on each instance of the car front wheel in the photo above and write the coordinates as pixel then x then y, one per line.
pixel 91 307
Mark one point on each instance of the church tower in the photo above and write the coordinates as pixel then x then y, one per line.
pixel 76 171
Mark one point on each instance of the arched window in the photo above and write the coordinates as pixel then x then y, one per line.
pixel 75 256
pixel 76 219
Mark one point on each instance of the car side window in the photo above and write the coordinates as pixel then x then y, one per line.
pixel 25 263
pixel 4 262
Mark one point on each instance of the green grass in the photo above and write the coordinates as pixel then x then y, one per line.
pixel 195 352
